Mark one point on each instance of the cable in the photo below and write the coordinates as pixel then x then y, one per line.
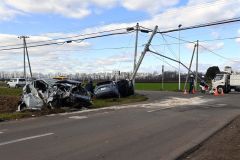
pixel 219 54
pixel 69 41
pixel 169 48
pixel 205 48
pixel 164 61
pixel 69 37
pixel 231 20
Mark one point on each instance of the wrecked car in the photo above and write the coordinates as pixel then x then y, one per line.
pixel 107 89
pixel 53 93
pixel 111 89
pixel 125 87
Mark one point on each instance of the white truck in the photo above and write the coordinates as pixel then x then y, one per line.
pixel 227 81
pixel 16 82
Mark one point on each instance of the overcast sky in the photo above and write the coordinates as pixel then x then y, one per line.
pixel 44 20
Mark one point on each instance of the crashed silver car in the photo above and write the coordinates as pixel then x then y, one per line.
pixel 53 93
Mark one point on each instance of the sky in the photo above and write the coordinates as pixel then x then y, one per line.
pixel 44 20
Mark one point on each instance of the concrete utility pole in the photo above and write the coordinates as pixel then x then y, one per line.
pixel 135 54
pixel 196 77
pixel 25 53
pixel 189 69
pixel 144 52
pixel 179 49
pixel 162 75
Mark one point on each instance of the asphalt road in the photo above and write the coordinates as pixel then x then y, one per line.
pixel 164 127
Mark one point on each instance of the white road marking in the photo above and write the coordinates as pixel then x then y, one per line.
pixel 2 131
pixel 78 117
pixel 25 139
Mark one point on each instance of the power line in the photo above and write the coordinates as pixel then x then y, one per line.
pixel 169 48
pixel 206 48
pixel 208 24
pixel 219 54
pixel 69 41
pixel 68 37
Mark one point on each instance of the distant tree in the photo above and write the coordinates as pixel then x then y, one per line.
pixel 211 72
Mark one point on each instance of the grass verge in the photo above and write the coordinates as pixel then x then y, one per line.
pixel 15 115
pixel 10 91
pixel 159 87
pixel 99 103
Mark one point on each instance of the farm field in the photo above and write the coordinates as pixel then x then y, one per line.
pixel 158 86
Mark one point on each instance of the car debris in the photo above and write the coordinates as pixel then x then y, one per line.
pixel 112 89
pixel 53 93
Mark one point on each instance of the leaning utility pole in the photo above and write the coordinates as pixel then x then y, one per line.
pixel 25 53
pixel 189 69
pixel 146 49
pixel 135 53
pixel 196 77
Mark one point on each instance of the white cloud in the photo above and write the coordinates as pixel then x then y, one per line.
pixel 44 59
pixel 66 8
pixel 151 6
pixel 238 39
pixel 204 45
pixel 7 13
pixel 186 15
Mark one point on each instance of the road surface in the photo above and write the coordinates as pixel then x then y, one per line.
pixel 164 127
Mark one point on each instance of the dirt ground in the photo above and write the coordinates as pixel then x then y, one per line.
pixel 225 145
pixel 8 103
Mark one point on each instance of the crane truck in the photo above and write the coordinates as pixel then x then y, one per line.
pixel 227 81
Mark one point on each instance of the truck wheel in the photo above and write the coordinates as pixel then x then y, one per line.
pixel 220 90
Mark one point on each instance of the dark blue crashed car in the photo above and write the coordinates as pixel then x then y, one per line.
pixel 112 89
pixel 107 89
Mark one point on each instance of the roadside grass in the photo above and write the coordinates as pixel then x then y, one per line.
pixel 10 96
pixel 3 84
pixel 10 91
pixel 15 115
pixel 99 103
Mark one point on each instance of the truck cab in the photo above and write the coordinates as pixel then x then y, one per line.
pixel 221 82
pixel 16 82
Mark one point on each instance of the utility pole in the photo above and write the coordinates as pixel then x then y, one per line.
pixel 189 69
pixel 146 49
pixel 162 75
pixel 196 77
pixel 25 53
pixel 179 49
pixel 135 54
